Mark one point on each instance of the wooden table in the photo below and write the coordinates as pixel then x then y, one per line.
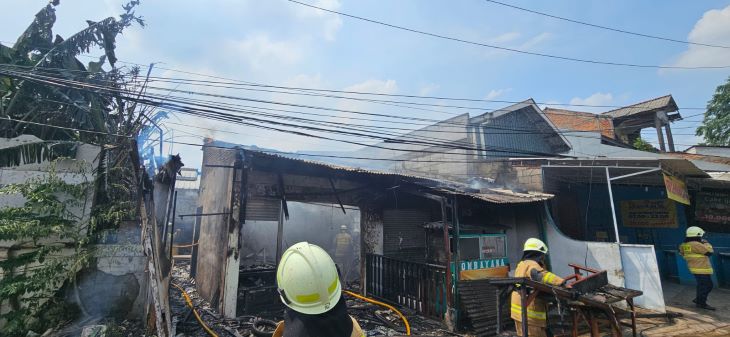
pixel 589 306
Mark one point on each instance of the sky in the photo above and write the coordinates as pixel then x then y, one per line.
pixel 282 43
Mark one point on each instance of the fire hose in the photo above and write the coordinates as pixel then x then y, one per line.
pixel 405 321
pixel 190 304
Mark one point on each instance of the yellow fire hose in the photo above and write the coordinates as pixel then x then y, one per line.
pixel 213 334
pixel 190 304
pixel 405 321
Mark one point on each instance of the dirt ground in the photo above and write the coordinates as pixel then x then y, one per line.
pixel 694 321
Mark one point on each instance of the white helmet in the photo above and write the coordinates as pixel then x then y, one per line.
pixel 343 227
pixel 695 232
pixel 308 280
pixel 536 245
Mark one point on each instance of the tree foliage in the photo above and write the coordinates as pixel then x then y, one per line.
pixel 642 145
pixel 38 52
pixel 51 240
pixel 715 128
pixel 50 235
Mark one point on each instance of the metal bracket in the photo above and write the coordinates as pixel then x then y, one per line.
pixel 203 214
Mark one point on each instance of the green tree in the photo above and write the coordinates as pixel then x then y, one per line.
pixel 715 128
pixel 38 58
pixel 52 240
pixel 50 236
pixel 642 145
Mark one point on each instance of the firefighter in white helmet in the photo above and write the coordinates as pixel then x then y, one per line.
pixel 309 285
pixel 697 251
pixel 532 265
pixel 343 250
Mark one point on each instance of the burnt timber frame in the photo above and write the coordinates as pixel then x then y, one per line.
pixel 587 306
pixel 223 205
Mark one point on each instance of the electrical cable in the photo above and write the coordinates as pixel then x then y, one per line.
pixel 302 89
pixel 399 135
pixel 552 56
pixel 512 130
pixel 66 128
pixel 606 27
pixel 214 114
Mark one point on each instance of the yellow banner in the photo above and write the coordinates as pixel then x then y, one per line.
pixel 479 274
pixel 654 213
pixel 676 189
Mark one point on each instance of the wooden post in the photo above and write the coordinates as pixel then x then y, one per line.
pixel 659 135
pixel 172 225
pixel 593 322
pixel 280 233
pixel 633 316
pixel 447 248
pixel 670 138
pixel 523 302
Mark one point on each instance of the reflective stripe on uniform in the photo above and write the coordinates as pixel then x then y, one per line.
pixel 541 315
pixel 701 270
pixel 693 255
pixel 548 277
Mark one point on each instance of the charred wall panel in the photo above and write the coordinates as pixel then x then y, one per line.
pixel 403 233
pixel 263 209
pixel 215 198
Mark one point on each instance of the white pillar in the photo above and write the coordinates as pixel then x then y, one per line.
pixel 613 207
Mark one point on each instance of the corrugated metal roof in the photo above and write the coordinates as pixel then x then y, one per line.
pixel 665 103
pixel 492 195
pixel 703 157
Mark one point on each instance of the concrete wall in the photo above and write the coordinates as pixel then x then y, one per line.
pixel 71 170
pixel 425 159
pixel 115 284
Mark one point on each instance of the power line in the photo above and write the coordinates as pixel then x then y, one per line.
pixel 231 118
pixel 558 57
pixel 66 128
pixel 213 114
pixel 304 154
pixel 399 138
pixel 305 90
pixel 458 125
pixel 287 131
pixel 618 30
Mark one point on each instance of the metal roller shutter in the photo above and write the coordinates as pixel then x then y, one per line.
pixel 262 209
pixel 403 233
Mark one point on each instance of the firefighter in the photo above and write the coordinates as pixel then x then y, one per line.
pixel 309 285
pixel 532 265
pixel 343 248
pixel 697 251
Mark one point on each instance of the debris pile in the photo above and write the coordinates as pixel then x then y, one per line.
pixel 379 321
pixel 375 320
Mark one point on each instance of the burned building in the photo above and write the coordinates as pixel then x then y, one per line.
pixel 419 238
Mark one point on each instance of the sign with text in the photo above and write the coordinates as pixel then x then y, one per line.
pixel 713 207
pixel 676 189
pixel 653 213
